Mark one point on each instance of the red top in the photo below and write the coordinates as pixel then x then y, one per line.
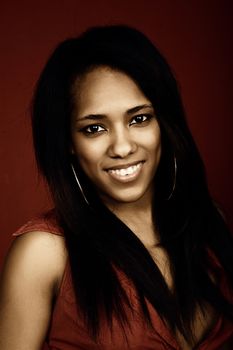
pixel 67 330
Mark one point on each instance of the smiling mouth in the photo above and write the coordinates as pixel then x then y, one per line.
pixel 126 174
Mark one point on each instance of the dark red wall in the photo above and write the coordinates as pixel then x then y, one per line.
pixel 195 36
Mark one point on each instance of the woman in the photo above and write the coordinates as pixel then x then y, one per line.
pixel 135 254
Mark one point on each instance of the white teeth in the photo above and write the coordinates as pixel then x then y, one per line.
pixel 124 172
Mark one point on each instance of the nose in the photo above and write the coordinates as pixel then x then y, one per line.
pixel 121 144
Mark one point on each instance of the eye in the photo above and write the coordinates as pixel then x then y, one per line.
pixel 93 129
pixel 141 118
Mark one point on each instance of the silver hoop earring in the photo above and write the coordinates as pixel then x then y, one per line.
pixel 174 181
pixel 79 185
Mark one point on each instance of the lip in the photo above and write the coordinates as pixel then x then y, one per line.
pixel 124 166
pixel 132 175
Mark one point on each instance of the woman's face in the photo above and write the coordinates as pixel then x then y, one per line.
pixel 115 135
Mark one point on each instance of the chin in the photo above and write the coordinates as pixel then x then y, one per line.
pixel 126 197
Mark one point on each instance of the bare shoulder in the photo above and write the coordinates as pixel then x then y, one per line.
pixel 29 281
pixel 39 255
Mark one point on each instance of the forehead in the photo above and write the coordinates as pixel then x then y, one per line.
pixel 103 88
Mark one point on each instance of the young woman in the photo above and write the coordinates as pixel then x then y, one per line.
pixel 134 255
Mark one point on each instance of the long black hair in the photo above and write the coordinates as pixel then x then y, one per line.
pixel 191 229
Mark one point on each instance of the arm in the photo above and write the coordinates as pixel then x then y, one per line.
pixel 30 277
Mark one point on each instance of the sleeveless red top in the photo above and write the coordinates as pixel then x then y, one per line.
pixel 68 332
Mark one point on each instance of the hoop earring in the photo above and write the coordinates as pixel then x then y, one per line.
pixel 79 185
pixel 174 181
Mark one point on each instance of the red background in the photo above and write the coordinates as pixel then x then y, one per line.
pixel 194 35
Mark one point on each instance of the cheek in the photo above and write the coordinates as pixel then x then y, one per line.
pixel 153 142
pixel 88 153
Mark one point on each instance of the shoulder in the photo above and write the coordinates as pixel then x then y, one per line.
pixel 30 279
pixel 38 252
pixel 46 222
pixel 36 257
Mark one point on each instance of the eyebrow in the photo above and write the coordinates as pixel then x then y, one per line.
pixel 103 116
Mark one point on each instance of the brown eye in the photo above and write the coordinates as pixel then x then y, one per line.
pixel 93 129
pixel 139 119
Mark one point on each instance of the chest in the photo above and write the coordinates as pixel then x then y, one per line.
pixel 68 330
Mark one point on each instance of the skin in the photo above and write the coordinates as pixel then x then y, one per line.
pixel 114 125
pixel 27 289
pixel 35 263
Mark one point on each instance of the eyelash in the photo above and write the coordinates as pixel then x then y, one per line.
pixel 144 118
pixel 147 116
